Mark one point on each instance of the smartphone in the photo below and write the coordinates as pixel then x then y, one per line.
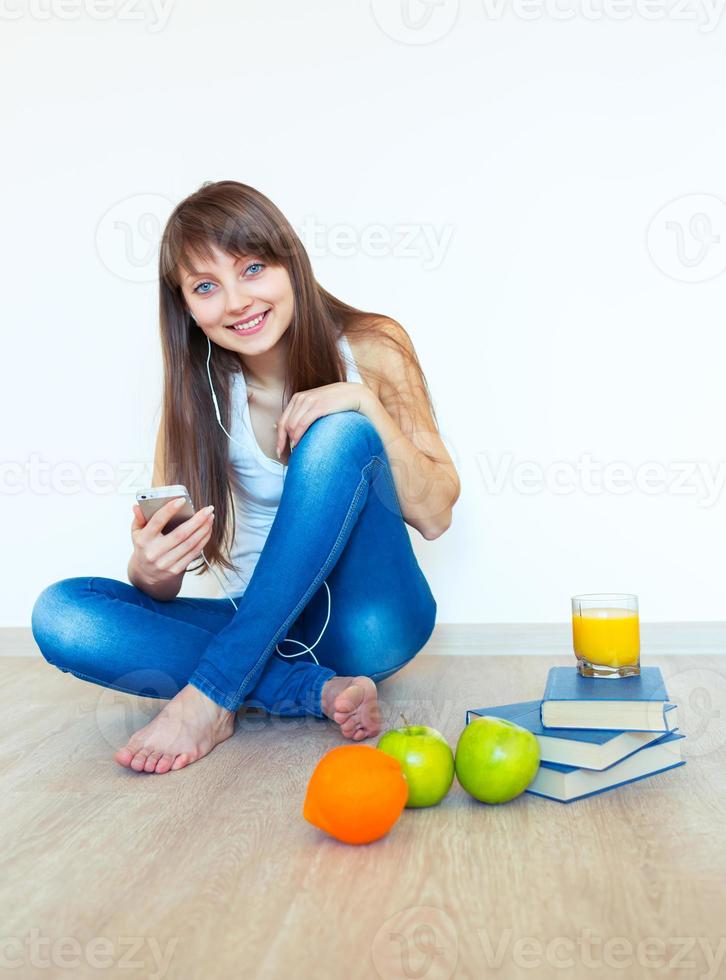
pixel 154 498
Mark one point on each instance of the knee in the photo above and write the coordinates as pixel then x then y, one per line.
pixel 381 639
pixel 408 634
pixel 422 625
pixel 427 621
pixel 331 433
pixel 54 618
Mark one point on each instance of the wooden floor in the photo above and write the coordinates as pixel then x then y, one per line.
pixel 211 872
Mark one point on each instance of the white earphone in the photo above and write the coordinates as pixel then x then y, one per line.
pixel 306 649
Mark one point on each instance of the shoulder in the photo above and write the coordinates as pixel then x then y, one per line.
pixel 382 347
pixel 379 334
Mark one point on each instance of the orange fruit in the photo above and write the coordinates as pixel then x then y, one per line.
pixel 356 793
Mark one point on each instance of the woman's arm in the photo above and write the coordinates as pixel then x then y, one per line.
pixel 426 480
pixel 427 484
pixel 427 489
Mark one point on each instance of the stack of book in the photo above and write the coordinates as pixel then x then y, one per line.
pixel 596 733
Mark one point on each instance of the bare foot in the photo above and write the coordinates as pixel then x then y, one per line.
pixel 352 702
pixel 185 730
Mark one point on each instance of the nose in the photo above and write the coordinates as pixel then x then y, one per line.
pixel 238 300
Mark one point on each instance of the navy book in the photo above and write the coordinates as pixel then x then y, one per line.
pixel 636 703
pixel 581 747
pixel 567 783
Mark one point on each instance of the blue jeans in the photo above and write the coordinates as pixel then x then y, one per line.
pixel 338 521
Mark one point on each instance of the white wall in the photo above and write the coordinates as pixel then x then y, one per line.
pixel 563 321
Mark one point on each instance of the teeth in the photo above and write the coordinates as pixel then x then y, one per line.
pixel 251 324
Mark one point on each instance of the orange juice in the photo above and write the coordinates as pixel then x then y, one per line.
pixel 607 637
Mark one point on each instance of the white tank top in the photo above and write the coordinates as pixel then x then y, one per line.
pixel 256 481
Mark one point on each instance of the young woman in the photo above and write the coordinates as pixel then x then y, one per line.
pixel 324 447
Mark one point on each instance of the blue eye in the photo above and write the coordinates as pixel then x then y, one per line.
pixel 205 292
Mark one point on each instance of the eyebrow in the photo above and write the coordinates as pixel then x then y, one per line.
pixel 193 273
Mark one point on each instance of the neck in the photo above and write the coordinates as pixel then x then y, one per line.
pixel 267 370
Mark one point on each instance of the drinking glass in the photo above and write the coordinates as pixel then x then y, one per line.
pixel 606 634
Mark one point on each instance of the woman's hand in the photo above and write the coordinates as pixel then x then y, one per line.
pixel 159 557
pixel 306 406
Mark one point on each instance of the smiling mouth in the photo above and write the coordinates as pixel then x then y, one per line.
pixel 249 325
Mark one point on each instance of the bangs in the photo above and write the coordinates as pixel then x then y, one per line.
pixel 191 238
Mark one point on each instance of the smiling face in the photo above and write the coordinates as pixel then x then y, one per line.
pixel 242 304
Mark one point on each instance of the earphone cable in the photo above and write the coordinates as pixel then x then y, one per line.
pixel 306 649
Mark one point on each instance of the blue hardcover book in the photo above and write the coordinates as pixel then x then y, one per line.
pixel 567 783
pixel 581 747
pixel 638 703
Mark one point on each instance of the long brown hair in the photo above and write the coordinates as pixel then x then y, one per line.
pixel 239 221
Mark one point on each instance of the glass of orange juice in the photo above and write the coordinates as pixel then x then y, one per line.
pixel 606 634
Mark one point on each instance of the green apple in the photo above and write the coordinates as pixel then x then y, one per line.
pixel 426 759
pixel 496 759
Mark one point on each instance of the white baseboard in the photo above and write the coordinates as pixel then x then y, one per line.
pixel 497 638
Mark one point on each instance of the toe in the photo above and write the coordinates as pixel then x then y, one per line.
pixel 151 760
pixel 180 761
pixel 164 763
pixel 342 718
pixel 124 756
pixel 349 727
pixel 349 699
pixel 139 760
